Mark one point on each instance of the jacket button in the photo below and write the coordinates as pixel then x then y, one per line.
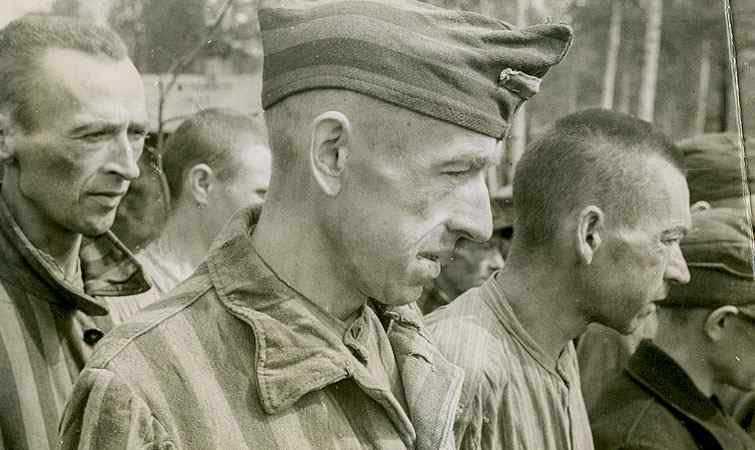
pixel 92 335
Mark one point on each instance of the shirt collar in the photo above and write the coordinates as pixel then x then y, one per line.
pixel 657 371
pixel 496 300
pixel 107 267
pixel 290 361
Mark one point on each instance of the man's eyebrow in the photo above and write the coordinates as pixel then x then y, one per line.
pixel 106 127
pixel 474 161
pixel 141 127
pixel 679 230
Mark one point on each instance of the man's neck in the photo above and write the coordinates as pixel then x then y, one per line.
pixel 181 243
pixel 542 305
pixel 306 263
pixel 61 245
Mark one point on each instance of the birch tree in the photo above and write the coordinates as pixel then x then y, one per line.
pixel 612 54
pixel 652 47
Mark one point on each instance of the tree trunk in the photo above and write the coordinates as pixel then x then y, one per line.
pixel 703 88
pixel 652 49
pixel 612 56
pixel 625 100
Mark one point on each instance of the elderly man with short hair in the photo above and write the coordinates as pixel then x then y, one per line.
pixel 297 331
pixel 600 204
pixel 713 168
pixel 72 126
pixel 665 398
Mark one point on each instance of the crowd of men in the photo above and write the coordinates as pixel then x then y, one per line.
pixel 281 304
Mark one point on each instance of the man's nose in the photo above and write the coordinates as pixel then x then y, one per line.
pixel 471 215
pixel 124 157
pixel 494 262
pixel 676 269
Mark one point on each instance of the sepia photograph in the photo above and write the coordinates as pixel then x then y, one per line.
pixel 377 224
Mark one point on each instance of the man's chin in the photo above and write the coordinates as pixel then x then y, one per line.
pixel 403 297
pixel 95 229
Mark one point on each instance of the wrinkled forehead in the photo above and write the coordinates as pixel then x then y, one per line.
pixel 667 196
pixel 104 88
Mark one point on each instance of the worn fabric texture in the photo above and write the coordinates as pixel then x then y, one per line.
pixel 515 397
pixel 235 359
pixel 654 405
pixel 456 66
pixel 49 325
pixel 603 353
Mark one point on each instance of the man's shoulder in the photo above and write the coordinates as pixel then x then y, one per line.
pixel 467 334
pixel 144 333
pixel 626 415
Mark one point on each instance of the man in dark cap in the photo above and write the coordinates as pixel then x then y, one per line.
pixel 713 164
pixel 664 399
pixel 296 331
pixel 600 204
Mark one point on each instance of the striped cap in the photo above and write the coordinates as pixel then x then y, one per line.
pixel 460 67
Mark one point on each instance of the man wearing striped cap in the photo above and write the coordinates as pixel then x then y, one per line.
pixel 297 331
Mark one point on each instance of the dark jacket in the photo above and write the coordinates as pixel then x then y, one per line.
pixel 653 404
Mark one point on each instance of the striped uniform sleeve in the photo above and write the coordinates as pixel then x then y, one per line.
pixel 104 413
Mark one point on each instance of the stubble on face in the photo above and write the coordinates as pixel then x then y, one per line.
pixel 88 111
pixel 639 256
pixel 402 201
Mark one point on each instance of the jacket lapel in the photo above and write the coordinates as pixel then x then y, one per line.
pixel 432 385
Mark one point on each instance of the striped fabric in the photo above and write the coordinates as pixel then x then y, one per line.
pixel 234 359
pixel 455 66
pixel 513 398
pixel 44 340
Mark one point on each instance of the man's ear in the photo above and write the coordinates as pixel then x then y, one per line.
pixel 589 228
pixel 200 180
pixel 701 205
pixel 715 323
pixel 328 150
pixel 6 147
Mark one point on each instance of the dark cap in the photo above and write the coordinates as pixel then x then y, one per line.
pixel 719 253
pixel 457 66
pixel 714 166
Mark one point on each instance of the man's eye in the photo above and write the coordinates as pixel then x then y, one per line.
pixel 136 135
pixel 671 241
pixel 96 136
pixel 456 172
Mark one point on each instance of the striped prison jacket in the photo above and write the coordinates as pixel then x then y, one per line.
pixel 235 359
pixel 48 327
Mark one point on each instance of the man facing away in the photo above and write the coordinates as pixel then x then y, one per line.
pixel 72 125
pixel 216 162
pixel 295 332
pixel 600 205
pixel 665 398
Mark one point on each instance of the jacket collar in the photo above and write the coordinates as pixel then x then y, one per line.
pixel 107 267
pixel 293 361
pixel 657 371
